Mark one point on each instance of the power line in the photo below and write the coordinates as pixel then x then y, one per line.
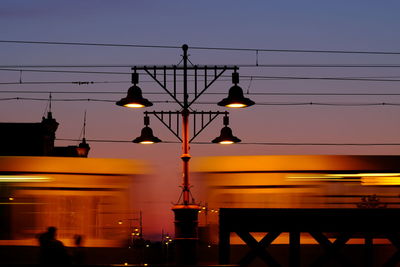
pixel 76 83
pixel 242 143
pixel 191 93
pixel 89 44
pixel 318 66
pixel 68 92
pixel 320 144
pixel 92 82
pixel 253 77
pixel 74 100
pixel 211 103
pixel 205 47
pixel 55 82
pixel 57 100
pixel 238 65
pixel 68 71
pixel 317 104
pixel 329 104
pixel 321 78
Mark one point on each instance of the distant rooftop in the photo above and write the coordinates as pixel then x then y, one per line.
pixel 34 139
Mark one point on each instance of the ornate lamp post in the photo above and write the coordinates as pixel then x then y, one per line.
pixel 186 209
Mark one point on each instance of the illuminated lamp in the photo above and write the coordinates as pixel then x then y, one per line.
pixel 146 136
pixel 235 97
pixel 226 137
pixel 83 149
pixel 134 98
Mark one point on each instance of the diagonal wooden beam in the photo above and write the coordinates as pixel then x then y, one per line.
pixel 257 249
pixel 394 238
pixel 321 239
pixel 331 249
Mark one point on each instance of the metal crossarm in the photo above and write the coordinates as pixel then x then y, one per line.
pixel 217 72
pixel 163 85
pixel 212 115
pixel 169 120
pixel 206 84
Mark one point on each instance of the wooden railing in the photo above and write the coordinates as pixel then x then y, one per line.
pixel 343 224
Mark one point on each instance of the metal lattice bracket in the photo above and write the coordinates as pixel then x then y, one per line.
pixel 171 120
pixel 209 74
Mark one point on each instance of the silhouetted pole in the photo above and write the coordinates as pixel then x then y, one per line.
pixel 185 132
pixel 186 213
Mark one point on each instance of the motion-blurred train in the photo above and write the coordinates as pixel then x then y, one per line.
pixel 80 196
pixel 93 197
pixel 295 181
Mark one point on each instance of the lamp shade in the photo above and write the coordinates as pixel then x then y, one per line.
pixel 146 137
pixel 236 99
pixel 226 137
pixel 134 99
pixel 83 149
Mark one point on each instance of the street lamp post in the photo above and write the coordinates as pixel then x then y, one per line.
pixel 186 209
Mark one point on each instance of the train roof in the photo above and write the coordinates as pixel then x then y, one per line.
pixel 71 165
pixel 297 163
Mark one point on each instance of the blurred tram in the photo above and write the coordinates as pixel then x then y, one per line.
pixel 80 196
pixel 96 198
pixel 295 181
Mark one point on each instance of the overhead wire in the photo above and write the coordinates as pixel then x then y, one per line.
pixel 191 93
pixel 55 82
pixel 257 50
pixel 253 77
pixel 67 71
pixel 318 65
pixel 242 143
pixel 88 44
pixel 212 103
pixel 314 65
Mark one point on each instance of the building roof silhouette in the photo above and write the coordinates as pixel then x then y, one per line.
pixel 33 139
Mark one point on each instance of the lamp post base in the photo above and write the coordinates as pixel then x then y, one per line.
pixel 186 233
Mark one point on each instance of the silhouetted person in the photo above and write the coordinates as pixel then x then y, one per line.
pixel 79 251
pixel 52 251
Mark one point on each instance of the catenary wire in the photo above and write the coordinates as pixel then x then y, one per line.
pixel 213 103
pixel 254 77
pixel 191 93
pixel 237 65
pixel 204 47
pixel 242 143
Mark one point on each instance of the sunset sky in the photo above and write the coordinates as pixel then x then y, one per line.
pixel 294 25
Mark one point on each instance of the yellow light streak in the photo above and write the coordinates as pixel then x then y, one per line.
pixel 382 180
pixel 364 174
pixel 23 179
